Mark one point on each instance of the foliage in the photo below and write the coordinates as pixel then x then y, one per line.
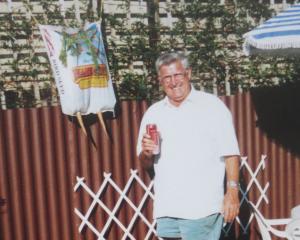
pixel 26 67
pixel 211 33
pixel 134 86
pixel 130 47
pixel 215 41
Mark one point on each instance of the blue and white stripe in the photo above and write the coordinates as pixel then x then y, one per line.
pixel 279 32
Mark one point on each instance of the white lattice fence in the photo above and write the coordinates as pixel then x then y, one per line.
pixel 98 201
pixel 253 181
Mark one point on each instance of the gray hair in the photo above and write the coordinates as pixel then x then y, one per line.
pixel 170 57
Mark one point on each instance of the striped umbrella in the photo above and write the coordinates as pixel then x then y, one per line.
pixel 279 35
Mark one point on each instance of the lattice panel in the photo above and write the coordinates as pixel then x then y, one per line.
pixel 123 197
pixel 253 183
pixel 98 201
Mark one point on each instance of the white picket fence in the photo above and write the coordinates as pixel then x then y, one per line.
pixel 98 196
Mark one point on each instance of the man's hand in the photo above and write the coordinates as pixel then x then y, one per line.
pixel 231 204
pixel 146 156
pixel 148 145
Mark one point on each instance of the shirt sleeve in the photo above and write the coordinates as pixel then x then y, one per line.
pixel 226 137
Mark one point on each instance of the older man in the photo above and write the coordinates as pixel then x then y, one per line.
pixel 198 145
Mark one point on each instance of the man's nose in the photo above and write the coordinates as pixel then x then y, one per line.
pixel 174 80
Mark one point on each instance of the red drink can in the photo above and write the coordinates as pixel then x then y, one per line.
pixel 152 131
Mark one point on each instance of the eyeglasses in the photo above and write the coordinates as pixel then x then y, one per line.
pixel 177 76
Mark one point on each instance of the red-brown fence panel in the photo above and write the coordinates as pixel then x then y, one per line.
pixel 42 152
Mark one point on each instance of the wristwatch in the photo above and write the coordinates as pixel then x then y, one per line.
pixel 232 184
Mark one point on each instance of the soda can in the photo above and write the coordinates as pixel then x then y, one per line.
pixel 153 133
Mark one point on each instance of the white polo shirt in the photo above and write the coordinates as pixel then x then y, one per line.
pixel 189 172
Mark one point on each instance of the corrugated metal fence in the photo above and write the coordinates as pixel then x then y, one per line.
pixel 42 151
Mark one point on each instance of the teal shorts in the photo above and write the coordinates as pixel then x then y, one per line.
pixel 208 228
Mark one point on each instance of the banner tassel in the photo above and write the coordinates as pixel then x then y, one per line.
pixel 79 118
pixel 100 116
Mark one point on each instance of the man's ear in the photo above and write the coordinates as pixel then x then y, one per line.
pixel 189 73
pixel 159 80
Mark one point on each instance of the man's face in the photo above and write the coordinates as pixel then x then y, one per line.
pixel 175 80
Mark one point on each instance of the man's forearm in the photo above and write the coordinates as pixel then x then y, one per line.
pixel 232 165
pixel 146 160
pixel 231 199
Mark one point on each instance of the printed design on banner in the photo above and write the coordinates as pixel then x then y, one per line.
pixel 86 47
pixel 87 76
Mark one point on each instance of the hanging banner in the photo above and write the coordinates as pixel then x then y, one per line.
pixel 80 68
